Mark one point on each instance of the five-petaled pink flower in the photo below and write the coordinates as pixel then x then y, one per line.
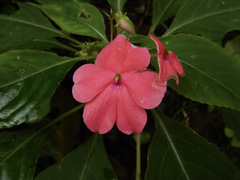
pixel 117 88
pixel 168 63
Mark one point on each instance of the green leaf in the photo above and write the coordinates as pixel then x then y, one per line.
pixel 177 152
pixel 88 161
pixel 19 152
pixel 117 5
pixel 210 73
pixel 233 47
pixel 28 79
pixel 60 1
pixel 163 10
pixel 231 119
pixel 77 18
pixel 211 18
pixel 24 28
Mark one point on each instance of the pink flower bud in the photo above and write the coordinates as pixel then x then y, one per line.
pixel 124 22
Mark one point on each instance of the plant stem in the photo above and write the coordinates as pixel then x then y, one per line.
pixel 68 113
pixel 111 29
pixel 70 38
pixel 138 157
pixel 58 44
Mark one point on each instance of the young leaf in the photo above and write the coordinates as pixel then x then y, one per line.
pixel 177 152
pixel 88 161
pixel 117 5
pixel 77 18
pixel 25 27
pixel 19 151
pixel 28 78
pixel 211 18
pixel 163 10
pixel 210 73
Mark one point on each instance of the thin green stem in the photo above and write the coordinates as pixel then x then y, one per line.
pixel 111 29
pixel 58 44
pixel 165 26
pixel 70 38
pixel 62 117
pixel 138 157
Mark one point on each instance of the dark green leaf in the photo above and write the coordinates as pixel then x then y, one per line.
pixel 77 18
pixel 19 152
pixel 117 5
pixel 210 73
pixel 177 152
pixel 88 161
pixel 232 120
pixel 60 1
pixel 233 47
pixel 25 27
pixel 163 10
pixel 28 78
pixel 211 18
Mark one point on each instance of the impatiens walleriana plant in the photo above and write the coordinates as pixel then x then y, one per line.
pixel 118 88
pixel 57 120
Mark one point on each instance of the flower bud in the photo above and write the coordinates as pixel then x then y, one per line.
pixel 124 22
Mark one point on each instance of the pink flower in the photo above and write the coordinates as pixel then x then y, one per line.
pixel 168 63
pixel 117 88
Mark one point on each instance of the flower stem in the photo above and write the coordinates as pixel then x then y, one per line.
pixel 68 113
pixel 138 158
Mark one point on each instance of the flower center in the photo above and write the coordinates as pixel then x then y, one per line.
pixel 165 56
pixel 117 83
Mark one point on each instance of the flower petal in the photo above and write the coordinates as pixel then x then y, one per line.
pixel 100 113
pixel 145 88
pixel 121 56
pixel 175 63
pixel 160 46
pixel 89 81
pixel 130 117
pixel 167 71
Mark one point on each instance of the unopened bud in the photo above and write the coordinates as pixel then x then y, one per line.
pixel 124 22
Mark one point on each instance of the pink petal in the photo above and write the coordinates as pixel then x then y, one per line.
pixel 144 88
pixel 160 46
pixel 90 80
pixel 175 63
pixel 167 71
pixel 130 117
pixel 100 113
pixel 121 56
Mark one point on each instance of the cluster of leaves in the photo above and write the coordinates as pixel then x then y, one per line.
pixel 30 75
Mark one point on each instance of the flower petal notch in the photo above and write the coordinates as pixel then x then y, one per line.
pixel 117 88
pixel 168 62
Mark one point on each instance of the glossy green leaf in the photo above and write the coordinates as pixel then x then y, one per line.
pixel 162 10
pixel 19 151
pixel 211 18
pixel 28 78
pixel 231 119
pixel 77 18
pixel 88 161
pixel 177 152
pixel 117 5
pixel 210 73
pixel 25 28
pixel 233 47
